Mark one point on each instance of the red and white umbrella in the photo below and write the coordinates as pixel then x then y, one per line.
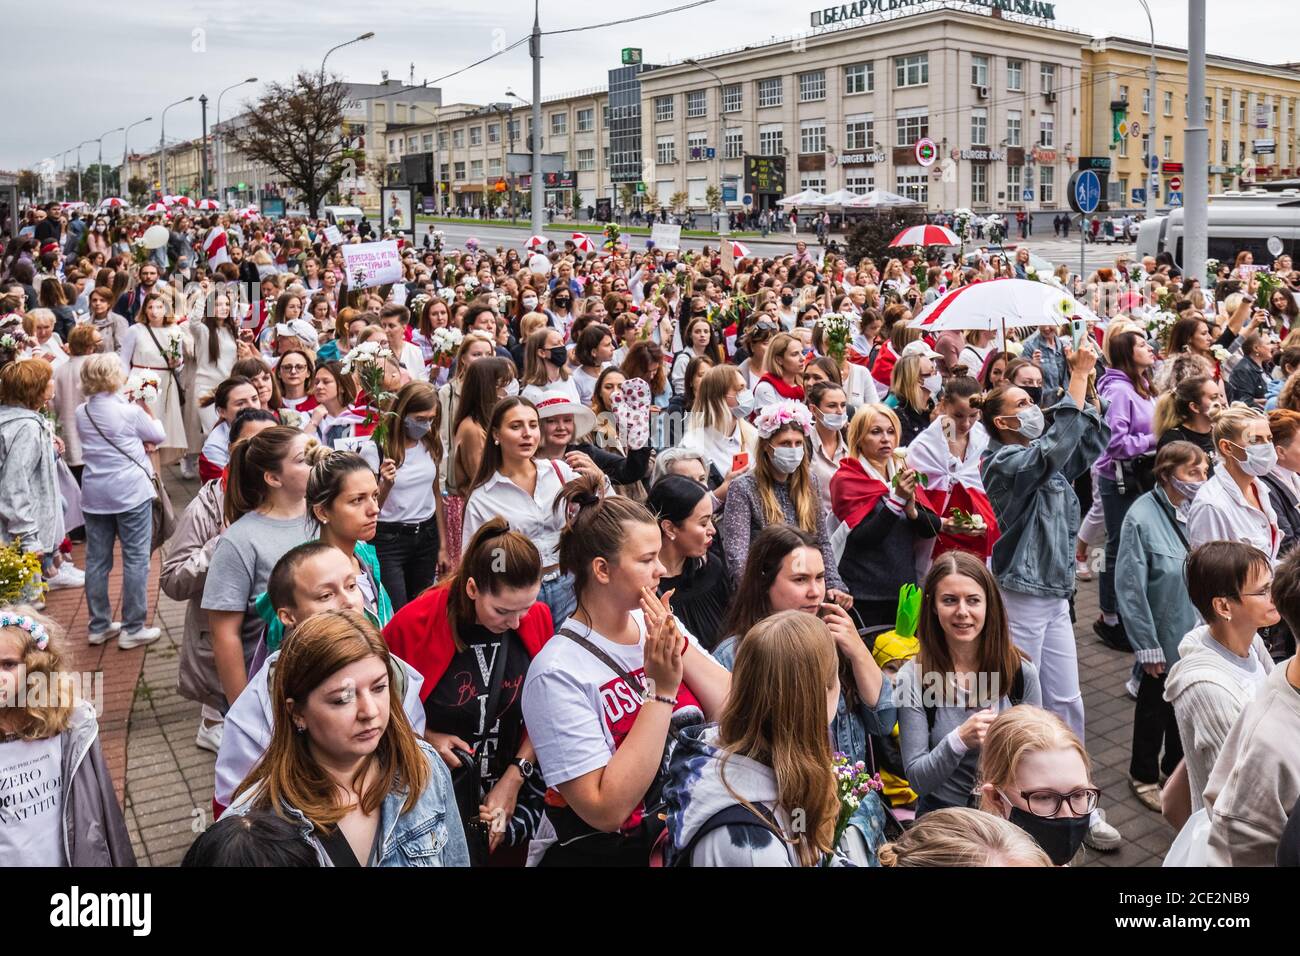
pixel 535 242
pixel 252 212
pixel 207 205
pixel 1000 304
pixel 926 236
pixel 155 209
pixel 583 242
pixel 184 201
pixel 112 202
pixel 739 250
pixel 169 200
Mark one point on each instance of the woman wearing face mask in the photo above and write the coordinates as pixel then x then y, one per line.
pixel 1234 504
pixel 781 488
pixel 718 427
pixel 914 387
pixel 1028 474
pixel 1154 600
pixel 560 310
pixel 593 352
pixel 783 372
pixel 546 367
pixel 412 522
pixel 829 408
pixel 1128 389
pixel 693 571
pixel 1035 773
pixel 365 790
pixel 965 673
pixel 1283 481
pixel 1028 377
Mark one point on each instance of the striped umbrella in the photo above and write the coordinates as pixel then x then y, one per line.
pixel 739 250
pixel 926 236
pixel 583 242
pixel 112 202
pixel 207 205
pixel 155 209
pixel 184 201
pixel 535 242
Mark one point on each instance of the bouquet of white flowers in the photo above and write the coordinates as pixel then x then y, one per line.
pixel 367 361
pixel 142 386
pixel 836 334
pixel 1159 326
pixel 444 342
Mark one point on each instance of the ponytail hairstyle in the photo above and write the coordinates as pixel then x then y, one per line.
pixel 597 529
pixel 960 836
pixel 990 406
pixel 413 397
pixel 961 386
pixel 495 557
pixel 329 472
pixel 250 460
pixel 221 395
pixel 1174 407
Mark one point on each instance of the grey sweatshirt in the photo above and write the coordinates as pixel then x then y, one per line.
pixel 30 505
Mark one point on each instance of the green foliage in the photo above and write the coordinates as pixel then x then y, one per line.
pixel 870 236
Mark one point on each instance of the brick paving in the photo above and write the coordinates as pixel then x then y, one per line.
pixel 167 781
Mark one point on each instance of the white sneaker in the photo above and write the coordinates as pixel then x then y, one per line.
pixel 1082 571
pixel 95 638
pixel 187 468
pixel 67 576
pixel 1131 687
pixel 209 735
pixel 1101 835
pixel 146 635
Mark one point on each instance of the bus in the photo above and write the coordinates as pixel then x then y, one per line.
pixel 1236 222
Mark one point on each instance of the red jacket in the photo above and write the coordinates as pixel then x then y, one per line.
pixel 420 634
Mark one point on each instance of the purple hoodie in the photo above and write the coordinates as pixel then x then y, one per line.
pixel 1131 419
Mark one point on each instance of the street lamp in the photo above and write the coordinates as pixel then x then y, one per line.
pixel 80 197
pixel 221 159
pixel 722 196
pixel 511 123
pixel 126 135
pixel 1149 173
pixel 364 36
pixel 120 129
pixel 162 143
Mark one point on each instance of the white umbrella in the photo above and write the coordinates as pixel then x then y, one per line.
pixel 809 197
pixel 842 197
pixel 999 304
pixel 881 197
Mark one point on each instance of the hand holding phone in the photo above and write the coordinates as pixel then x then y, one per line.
pixel 740 462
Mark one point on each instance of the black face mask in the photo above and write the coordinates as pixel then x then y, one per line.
pixel 558 356
pixel 1035 393
pixel 1059 838
pixel 787 300
pixel 696 311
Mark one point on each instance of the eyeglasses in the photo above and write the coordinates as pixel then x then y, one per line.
pixel 1047 803
pixel 293 368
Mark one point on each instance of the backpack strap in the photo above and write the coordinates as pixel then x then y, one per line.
pixel 1016 697
pixel 737 814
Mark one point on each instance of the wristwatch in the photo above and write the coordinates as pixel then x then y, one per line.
pixel 525 766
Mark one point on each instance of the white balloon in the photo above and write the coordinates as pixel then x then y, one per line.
pixel 539 264
pixel 155 237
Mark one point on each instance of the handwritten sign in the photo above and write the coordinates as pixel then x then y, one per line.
pixel 333 236
pixel 666 235
pixel 372 263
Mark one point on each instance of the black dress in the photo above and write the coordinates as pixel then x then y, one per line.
pixel 703 591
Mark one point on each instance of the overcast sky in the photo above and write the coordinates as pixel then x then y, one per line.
pixel 110 64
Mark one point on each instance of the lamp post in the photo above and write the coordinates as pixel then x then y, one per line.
pixel 120 129
pixel 535 51
pixel 364 36
pixel 1196 150
pixel 126 136
pixel 722 196
pixel 536 164
pixel 218 139
pixel 162 143
pixel 1151 177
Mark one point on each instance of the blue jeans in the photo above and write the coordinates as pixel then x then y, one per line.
pixel 134 529
pixel 1114 507
pixel 558 595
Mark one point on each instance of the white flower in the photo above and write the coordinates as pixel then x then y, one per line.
pixel 1015 348
pixel 1220 353
pixel 447 294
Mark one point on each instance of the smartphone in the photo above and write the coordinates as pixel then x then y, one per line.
pixel 740 462
pixel 1078 331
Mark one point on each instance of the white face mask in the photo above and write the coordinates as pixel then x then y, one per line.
pixel 932 383
pixel 835 421
pixel 512 387
pixel 1260 459
pixel 1031 422
pixel 787 460
pixel 744 403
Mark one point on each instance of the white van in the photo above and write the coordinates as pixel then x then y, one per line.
pixel 337 215
pixel 1236 222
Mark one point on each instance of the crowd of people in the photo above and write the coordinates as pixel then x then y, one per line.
pixel 635 558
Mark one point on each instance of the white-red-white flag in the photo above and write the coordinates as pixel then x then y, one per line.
pixel 215 247
pixel 739 249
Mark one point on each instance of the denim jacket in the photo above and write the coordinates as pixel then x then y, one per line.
pixel 430 834
pixel 1153 601
pixel 1030 489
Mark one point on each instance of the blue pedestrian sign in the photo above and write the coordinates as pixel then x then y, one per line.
pixel 1175 198
pixel 1027 195
pixel 1085 191
pixel 1155 163
pixel 1139 196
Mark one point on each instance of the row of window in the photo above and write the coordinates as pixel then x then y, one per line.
pixel 1225 108
pixel 914 182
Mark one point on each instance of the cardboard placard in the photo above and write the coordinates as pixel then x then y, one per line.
pixel 370 264
pixel 666 235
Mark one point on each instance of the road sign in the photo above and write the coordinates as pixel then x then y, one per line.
pixel 1084 191
pixel 1139 196
pixel 1175 183
pixel 1027 195
pixel 631 55
pixel 710 153
pixel 926 151
pixel 748 200
pixel 1135 129
pixel 1155 162
pixel 1123 127
pixel 1175 198
pixel 640 188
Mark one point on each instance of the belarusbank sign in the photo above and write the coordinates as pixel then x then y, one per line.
pixel 867 8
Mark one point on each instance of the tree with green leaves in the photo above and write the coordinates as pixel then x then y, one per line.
pixel 713 198
pixel 870 236
pixel 296 130
pixel 138 188
pixel 29 184
pixel 678 201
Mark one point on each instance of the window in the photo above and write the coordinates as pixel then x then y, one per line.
pixel 514 128
pixel 411 142
pixel 1241 110
pixel 458 138
pixel 912 182
pixel 734 144
pixel 392 146
pixel 1013 183
pixel 812 136
pixel 606 117
pixel 812 86
pixel 911 125
pixel 559 124
pixel 859 132
pixel 476 169
pixel 494 132
pixel 663 108
pixel 1225 109
pixel 426 142
pixel 1046 184
pixel 665 150
pixel 1169 103
pixel 586 159
pixel 1169 148
pixel 696 144
pixel 979 126
pixel 912 70
pixel 1123 147
pixel 1223 151
pixel 443 137
pixel 859 78
pixel 476 135
pixel 1013 128
pixel 979 184
pixel 1209 108
pixel 769 91
pixel 815 181
pixel 979 70
pixel 444 172
pixel 860 182
pixel 1123 189
pixel 494 168
pixel 460 171
pixel 1015 75
pixel 771 139
pixel 1146 145
pixel 1047 77
pixel 1123 94
pixel 732 98
pixel 1047 130
pixel 586 120
pixel 1146 99
pixel 695 105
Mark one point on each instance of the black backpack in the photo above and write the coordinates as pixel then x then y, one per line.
pixel 1017 696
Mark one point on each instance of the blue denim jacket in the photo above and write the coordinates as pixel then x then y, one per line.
pixel 1030 489
pixel 1154 603
pixel 430 834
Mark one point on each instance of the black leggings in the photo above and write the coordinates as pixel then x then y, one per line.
pixel 408 559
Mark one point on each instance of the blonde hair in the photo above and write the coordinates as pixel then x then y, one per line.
pixel 711 410
pixel 862 421
pixel 530 323
pixel 799 484
pixel 1015 734
pixel 1117 327
pixel 905 382
pixel 959 836
pixel 775 351
pixel 1232 422
pixel 102 372
pixel 46 712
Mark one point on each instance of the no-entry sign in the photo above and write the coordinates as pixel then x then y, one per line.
pixel 1175 183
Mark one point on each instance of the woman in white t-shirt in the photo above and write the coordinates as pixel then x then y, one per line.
pixel 294 372
pixel 717 428
pixel 410 540
pixel 603 698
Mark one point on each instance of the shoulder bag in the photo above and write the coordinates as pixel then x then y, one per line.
pixel 467 779
pixel 164 516
pixel 180 389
